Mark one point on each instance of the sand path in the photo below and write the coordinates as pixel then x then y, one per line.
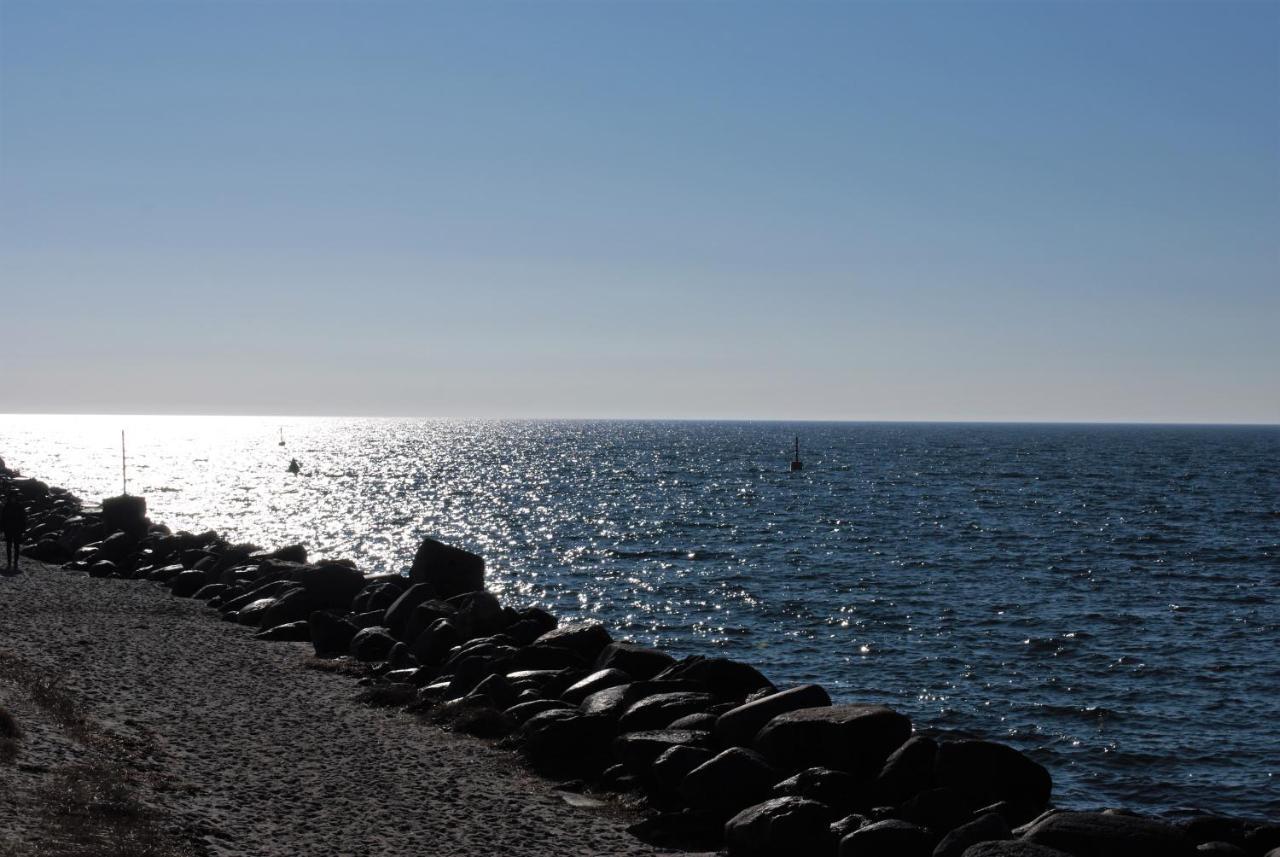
pixel 150 727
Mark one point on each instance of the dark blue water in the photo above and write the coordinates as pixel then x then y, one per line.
pixel 1102 597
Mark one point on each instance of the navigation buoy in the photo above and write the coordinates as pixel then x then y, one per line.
pixel 796 463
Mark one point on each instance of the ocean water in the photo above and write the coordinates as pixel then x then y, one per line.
pixel 1105 598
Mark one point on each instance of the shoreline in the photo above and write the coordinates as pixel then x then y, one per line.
pixel 482 686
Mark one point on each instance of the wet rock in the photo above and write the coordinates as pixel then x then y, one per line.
pixel 853 738
pixel 117 546
pixel 565 742
pixel 846 825
pixel 292 605
pixel 449 571
pixel 165 573
pixel 670 768
pixel 598 680
pixel 739 725
pixel 908 771
pixel 548 658
pixel 704 721
pixel 890 838
pixel 209 591
pixel 331 633
pixel 376 596
pixel 187 583
pixel 985 828
pixel 729 781
pixel 639 750
pixel 524 710
pixel 658 711
pixel 292 631
pixel 781 826
pixel 1100 834
pixel 102 568
pixel 987 772
pixel 585 639
pixel 252 613
pixel 1012 848
pixel 371 644
pixel 837 789
pixel 940 809
pixel 432 646
pixel 639 662
pixel 724 678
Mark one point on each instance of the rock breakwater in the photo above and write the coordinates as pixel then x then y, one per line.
pixel 716 754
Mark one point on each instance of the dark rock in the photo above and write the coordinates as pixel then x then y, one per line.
pixel 726 783
pixel 639 750
pixel 102 568
pixel 548 658
pixel 252 613
pixel 331 633
pixel 46 550
pixel 1262 837
pixel 209 591
pixel 986 772
pixel 187 583
pixel 659 710
pixel 292 605
pixel 1012 848
pixel 376 596
pixel 397 615
pixel 639 662
pixel 1213 828
pixel 846 825
pixel 479 614
pixel 839 790
pixel 676 762
pixel 293 631
pixel 890 838
pixel 781 826
pixel 598 680
pixel 531 623
pixel 371 644
pixel 432 645
pixel 585 639
pixel 703 721
pixel 685 830
pixel 940 810
pixel 425 615
pixel 117 546
pixel 739 725
pixel 984 828
pixel 447 570
pixel 1100 834
pixel 333 585
pixel 853 738
pixel 165 573
pixel 495 690
pixel 125 513
pixel 32 490
pixel 372 619
pixel 1223 848
pixel 290 553
pixel 724 678
pixel 565 742
pixel 524 710
pixel 908 771
pixel 613 702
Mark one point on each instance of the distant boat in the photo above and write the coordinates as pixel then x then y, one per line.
pixel 796 463
pixel 281 436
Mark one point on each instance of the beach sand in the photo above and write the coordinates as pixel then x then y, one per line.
pixel 151 728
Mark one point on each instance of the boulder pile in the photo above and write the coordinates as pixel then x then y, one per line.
pixel 715 753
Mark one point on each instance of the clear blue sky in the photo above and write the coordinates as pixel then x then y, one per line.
pixel 1058 211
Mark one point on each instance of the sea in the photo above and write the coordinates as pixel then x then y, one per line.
pixel 1106 598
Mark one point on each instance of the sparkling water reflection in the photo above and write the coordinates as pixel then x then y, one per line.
pixel 1102 597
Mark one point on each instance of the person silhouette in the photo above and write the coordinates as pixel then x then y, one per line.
pixel 294 466
pixel 13 520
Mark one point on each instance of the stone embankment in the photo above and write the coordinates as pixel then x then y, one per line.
pixel 716 755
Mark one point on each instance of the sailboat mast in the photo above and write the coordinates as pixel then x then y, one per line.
pixel 124 477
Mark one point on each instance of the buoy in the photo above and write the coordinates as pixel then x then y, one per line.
pixel 796 463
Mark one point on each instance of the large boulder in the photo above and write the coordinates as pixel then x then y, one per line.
pixel 585 639
pixel 639 750
pixel 331 633
pixel 425 615
pixel 529 624
pixel 660 710
pixel 889 838
pixel 839 790
pixel 908 771
pixel 292 605
pixel 740 725
pixel 447 570
pixel 479 613
pixel 781 826
pixel 987 773
pixel 432 646
pixel 187 583
pixel 598 680
pixel 565 742
pixel 734 779
pixel 639 662
pixel 333 585
pixel 670 769
pixel 378 595
pixel 125 513
pixel 372 644
pixel 987 827
pixel 853 738
pixel 398 613
pixel 727 680
pixel 1012 848
pixel 299 632
pixel 1102 834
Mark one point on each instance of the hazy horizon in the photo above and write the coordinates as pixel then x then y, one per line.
pixel 935 212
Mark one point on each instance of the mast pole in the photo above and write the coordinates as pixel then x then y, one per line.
pixel 124 478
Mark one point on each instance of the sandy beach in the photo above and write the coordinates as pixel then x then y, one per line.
pixel 149 727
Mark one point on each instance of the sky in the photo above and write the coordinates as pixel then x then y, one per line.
pixel 794 210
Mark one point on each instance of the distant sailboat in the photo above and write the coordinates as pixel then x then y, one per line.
pixel 281 436
pixel 796 463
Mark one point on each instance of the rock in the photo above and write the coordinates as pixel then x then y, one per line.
pixel 102 568
pixel 584 639
pixel 376 596
pixel 659 710
pixel 686 830
pixel 125 513
pixel 1100 834
pixel 425 615
pixel 889 838
pixel 117 546
pixel 739 725
pixel 670 768
pixel 494 690
pixel 639 750
pixel 726 783
pixel 853 738
pixel 524 710
pixel 1012 848
pixel 290 553
pixel 846 825
pixel 548 658
pixel 704 721
pixel 165 573
pixel 331 633
pixel 447 570
pixel 565 742
pixel 1262 837
pixel 479 614
pixel 293 631
pixel 333 585
pixel 598 680
pixel 781 826
pixel 724 678
pixel 639 662
pixel 32 490
pixel 46 550
pixel 839 790
pixel 209 591
pixel 1223 848
pixel 986 773
pixel 371 644
pixel 292 605
pixel 187 583
pixel 985 828
pixel 432 645
pixel 1213 828
pixel 252 613
pixel 940 810
pixel 908 771
pixel 397 615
